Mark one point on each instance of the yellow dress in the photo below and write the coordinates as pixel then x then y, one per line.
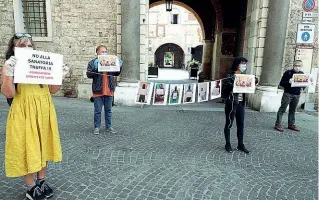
pixel 32 135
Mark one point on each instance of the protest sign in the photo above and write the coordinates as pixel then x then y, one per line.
pixel 108 63
pixel 300 80
pixel 144 93
pixel 160 94
pixel 244 83
pixel 215 89
pixel 37 67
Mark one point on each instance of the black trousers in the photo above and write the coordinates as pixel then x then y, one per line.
pixel 232 111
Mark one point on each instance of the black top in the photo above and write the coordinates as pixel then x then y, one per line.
pixel 285 82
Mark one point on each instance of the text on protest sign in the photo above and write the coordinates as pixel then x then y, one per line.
pixel 108 63
pixel 37 67
pixel 244 84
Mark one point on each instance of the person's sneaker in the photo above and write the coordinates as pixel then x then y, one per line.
pixel 96 131
pixel 110 130
pixel 294 128
pixel 242 148
pixel 228 148
pixel 279 128
pixel 35 194
pixel 46 190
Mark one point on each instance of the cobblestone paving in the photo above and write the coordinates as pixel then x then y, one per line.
pixel 174 153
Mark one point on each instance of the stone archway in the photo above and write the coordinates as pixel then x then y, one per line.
pixel 169 50
pixel 183 5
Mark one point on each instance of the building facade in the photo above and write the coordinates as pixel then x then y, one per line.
pixel 267 32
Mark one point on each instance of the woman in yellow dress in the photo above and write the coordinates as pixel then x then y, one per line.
pixel 32 136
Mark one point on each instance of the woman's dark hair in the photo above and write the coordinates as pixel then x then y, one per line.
pixel 10 51
pixel 237 61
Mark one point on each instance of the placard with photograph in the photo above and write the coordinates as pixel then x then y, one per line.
pixel 203 92
pixel 215 89
pixel 244 83
pixel 300 80
pixel 175 94
pixel 160 94
pixel 189 93
pixel 144 93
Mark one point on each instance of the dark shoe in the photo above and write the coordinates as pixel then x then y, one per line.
pixel 279 128
pixel 242 148
pixel 294 128
pixel 228 148
pixel 45 188
pixel 35 194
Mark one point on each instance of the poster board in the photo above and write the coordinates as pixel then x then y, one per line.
pixel 300 80
pixel 38 67
pixel 175 94
pixel 244 83
pixel 203 92
pixel 108 63
pixel 189 93
pixel 144 93
pixel 160 94
pixel 215 89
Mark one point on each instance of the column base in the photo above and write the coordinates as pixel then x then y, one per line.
pixel 268 99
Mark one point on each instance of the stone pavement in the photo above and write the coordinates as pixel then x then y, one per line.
pixel 174 153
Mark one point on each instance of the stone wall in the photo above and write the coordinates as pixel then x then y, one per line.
pixel 78 26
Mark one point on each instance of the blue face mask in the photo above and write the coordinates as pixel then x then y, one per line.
pixel 242 68
pixel 104 53
pixel 297 69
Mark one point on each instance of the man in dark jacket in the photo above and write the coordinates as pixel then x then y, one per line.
pixel 234 105
pixel 290 97
pixel 103 87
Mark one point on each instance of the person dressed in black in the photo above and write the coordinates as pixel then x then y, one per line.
pixel 234 105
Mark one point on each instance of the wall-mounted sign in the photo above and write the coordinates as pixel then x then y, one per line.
pixel 307 20
pixel 305 34
pixel 310 15
pixel 305 55
pixel 308 5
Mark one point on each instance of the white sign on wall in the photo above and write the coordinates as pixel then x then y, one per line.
pixel 305 55
pixel 314 76
pixel 310 14
pixel 305 33
pixel 307 20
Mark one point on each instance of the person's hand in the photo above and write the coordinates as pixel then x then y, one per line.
pixel 10 65
pixel 66 70
pixel 291 80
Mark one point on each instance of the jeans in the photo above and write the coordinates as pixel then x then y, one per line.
pixel 99 102
pixel 232 110
pixel 292 101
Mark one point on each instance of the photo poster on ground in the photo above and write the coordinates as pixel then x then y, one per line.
pixel 203 92
pixel 244 84
pixel 215 89
pixel 314 77
pixel 175 94
pixel 189 93
pixel 300 80
pixel 160 94
pixel 144 93
pixel 108 63
pixel 38 67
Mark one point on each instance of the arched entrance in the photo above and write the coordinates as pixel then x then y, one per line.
pixel 169 55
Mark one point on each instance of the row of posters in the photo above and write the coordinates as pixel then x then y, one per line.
pixel 174 94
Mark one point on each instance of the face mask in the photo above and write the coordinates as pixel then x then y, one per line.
pixel 104 53
pixel 242 68
pixel 297 69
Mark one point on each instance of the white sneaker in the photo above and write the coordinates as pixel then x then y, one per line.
pixel 110 130
pixel 96 131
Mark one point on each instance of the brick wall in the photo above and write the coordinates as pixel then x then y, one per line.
pixel 78 27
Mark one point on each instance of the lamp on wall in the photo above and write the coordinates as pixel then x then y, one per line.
pixel 169 5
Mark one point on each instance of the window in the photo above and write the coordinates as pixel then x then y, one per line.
pixel 174 19
pixel 33 17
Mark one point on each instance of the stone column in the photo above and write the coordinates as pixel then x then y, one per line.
pixel 130 40
pixel 274 42
pixel 207 58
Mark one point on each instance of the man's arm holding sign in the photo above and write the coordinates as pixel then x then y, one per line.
pixel 7 87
